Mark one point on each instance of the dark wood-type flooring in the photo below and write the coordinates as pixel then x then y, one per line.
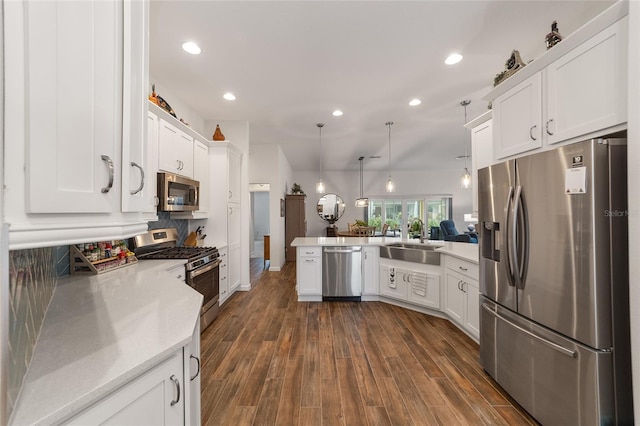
pixel 268 359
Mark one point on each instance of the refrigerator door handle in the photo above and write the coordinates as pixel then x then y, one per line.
pixel 508 243
pixel 555 346
pixel 518 261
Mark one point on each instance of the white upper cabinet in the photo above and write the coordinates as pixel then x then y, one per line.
pixel 517 115
pixel 73 105
pixel 138 156
pixel 234 167
pixel 575 90
pixel 201 173
pixel 175 150
pixel 75 77
pixel 481 149
pixel 586 88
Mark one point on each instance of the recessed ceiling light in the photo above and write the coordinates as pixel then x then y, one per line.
pixel 229 96
pixel 454 58
pixel 191 47
pixel 415 102
pixel 337 113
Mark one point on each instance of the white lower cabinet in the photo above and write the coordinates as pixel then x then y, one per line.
pixel 461 294
pixel 155 398
pixel 412 282
pixel 309 271
pixel 192 369
pixel 370 272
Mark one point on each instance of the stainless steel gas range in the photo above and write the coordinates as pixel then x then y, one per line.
pixel 201 268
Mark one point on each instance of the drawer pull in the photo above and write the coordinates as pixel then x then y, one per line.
pixel 462 269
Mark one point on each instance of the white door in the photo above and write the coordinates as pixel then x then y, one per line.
pixel 233 236
pixel 201 173
pixel 454 298
pixel 517 115
pixel 74 105
pixel 235 163
pixel 137 172
pixel 175 150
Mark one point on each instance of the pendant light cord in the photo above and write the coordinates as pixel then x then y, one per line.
pixel 320 126
pixel 465 103
pixel 389 124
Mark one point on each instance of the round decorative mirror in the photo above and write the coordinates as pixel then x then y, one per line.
pixel 330 207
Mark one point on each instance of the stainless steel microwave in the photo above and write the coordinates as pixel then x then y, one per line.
pixel 177 193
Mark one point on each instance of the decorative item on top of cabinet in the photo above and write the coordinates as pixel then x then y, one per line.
pixel 296 189
pixel 553 37
pixel 217 135
pixel 513 65
pixel 165 106
pixel 153 97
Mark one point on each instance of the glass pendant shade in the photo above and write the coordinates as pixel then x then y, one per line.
pixel 391 186
pixel 362 202
pixel 465 180
pixel 320 189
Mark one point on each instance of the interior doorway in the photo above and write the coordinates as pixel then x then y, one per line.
pixel 260 197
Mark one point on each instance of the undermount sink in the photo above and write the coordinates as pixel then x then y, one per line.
pixel 417 253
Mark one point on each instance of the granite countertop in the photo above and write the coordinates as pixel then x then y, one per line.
pixel 102 331
pixel 465 251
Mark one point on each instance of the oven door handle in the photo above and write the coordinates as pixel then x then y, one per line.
pixel 204 269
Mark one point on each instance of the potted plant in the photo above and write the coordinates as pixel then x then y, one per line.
pixel 296 189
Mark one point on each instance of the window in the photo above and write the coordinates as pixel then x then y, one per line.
pixel 398 214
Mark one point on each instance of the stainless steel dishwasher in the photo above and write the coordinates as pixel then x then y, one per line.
pixel 342 273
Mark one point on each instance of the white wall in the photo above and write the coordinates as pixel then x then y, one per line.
pixel 268 164
pixel 634 194
pixel 260 214
pixel 195 120
pixel 411 183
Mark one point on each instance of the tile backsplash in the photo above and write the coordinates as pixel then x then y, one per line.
pixel 165 221
pixel 32 279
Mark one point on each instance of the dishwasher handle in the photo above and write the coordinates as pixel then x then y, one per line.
pixel 353 250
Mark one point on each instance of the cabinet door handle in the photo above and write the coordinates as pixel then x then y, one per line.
pixel 462 287
pixel 141 178
pixel 230 194
pixel 547 127
pixel 462 269
pixel 109 162
pixel 230 210
pixel 531 132
pixel 176 382
pixel 197 372
pixel 459 285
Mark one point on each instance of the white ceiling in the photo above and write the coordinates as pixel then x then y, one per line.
pixel 291 63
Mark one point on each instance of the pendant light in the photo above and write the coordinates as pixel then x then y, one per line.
pixel 465 180
pixel 390 185
pixel 362 201
pixel 320 188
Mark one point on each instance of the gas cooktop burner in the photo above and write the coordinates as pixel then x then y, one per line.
pixel 161 244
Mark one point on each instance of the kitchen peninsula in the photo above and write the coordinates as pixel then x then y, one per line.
pixel 446 286
pixel 109 339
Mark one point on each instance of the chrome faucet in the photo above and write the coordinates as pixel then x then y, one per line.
pixel 422 230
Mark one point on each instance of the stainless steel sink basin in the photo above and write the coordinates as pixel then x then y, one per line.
pixel 417 253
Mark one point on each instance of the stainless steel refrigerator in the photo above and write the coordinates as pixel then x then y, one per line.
pixel 554 313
